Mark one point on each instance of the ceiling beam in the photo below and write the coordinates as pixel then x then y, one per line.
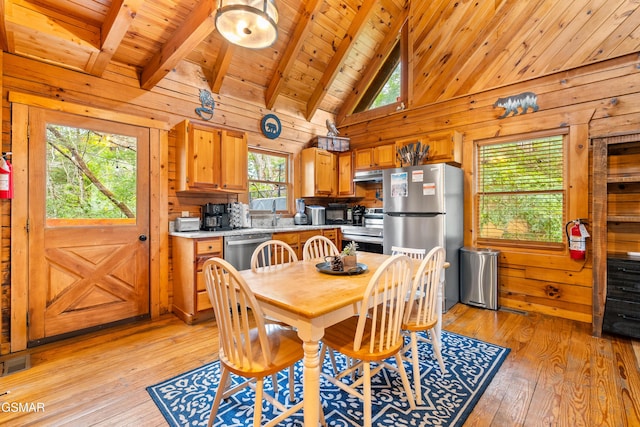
pixel 113 30
pixel 381 55
pixel 198 25
pixel 221 66
pixel 335 65
pixel 298 37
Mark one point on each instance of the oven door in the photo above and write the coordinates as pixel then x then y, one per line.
pixel 365 243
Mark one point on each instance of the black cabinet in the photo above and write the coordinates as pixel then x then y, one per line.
pixel 622 308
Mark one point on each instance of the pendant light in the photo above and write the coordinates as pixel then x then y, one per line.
pixel 248 23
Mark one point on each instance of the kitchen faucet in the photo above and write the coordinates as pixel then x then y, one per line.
pixel 276 216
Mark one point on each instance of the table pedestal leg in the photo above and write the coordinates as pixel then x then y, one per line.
pixel 311 382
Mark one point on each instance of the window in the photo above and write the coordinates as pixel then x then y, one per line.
pixel 90 174
pixel 268 180
pixel 386 88
pixel 521 190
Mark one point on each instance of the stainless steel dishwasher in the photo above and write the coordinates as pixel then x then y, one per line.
pixel 238 249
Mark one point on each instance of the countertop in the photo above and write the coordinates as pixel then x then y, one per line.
pixel 253 230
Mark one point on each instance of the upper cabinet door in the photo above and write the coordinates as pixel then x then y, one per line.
pixel 384 156
pixel 318 173
pixel 203 157
pixel 234 152
pixel 345 174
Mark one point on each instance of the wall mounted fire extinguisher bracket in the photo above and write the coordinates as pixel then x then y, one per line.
pixel 6 177
pixel 577 237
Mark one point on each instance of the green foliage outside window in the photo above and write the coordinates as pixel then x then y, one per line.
pixel 520 190
pixel 268 180
pixel 390 92
pixel 90 174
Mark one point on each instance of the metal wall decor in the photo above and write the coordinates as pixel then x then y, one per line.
pixel 205 111
pixel 524 101
pixel 271 126
pixel 332 129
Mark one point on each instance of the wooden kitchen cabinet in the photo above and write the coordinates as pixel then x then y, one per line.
pixel 380 157
pixel 190 299
pixel 346 187
pixel 333 234
pixel 210 159
pixel 444 147
pixel 318 173
pixel 297 239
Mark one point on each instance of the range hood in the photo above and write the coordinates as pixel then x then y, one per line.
pixel 368 176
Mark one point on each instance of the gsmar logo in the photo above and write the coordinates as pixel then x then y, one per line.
pixel 22 407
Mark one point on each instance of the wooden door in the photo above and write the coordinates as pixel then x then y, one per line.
pixel 87 229
pixel 233 166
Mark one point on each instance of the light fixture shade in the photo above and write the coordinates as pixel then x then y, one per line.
pixel 248 23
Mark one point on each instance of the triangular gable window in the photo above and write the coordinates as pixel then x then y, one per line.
pixel 386 88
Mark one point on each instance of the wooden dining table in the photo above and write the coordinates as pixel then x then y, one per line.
pixel 299 295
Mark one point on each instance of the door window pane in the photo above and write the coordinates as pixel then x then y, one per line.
pixel 90 174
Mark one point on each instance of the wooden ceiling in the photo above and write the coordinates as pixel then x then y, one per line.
pixel 327 50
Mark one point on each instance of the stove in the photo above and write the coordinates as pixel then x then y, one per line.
pixel 368 236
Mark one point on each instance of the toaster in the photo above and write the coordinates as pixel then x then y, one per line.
pixel 187 224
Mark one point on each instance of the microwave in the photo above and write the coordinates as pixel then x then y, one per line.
pixel 338 213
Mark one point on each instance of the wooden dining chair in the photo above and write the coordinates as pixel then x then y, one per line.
pixel 413 253
pixel 421 313
pixel 271 255
pixel 319 247
pixel 249 346
pixel 373 335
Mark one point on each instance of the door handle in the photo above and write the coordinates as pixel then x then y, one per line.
pixel 142 237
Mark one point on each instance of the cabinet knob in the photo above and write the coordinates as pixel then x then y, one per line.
pixel 142 237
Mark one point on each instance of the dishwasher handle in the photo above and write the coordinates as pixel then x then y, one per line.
pixel 247 241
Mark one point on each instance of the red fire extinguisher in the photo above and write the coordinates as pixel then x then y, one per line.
pixel 577 237
pixel 6 179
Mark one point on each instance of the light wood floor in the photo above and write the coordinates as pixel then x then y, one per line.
pixel 557 374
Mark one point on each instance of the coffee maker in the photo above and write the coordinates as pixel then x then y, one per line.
pixel 300 217
pixel 215 216
pixel 357 212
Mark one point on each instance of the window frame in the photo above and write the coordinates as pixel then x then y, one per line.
pixel 563 132
pixel 288 183
pixel 403 42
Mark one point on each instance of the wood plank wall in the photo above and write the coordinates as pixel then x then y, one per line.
pixel 596 100
pixel 173 100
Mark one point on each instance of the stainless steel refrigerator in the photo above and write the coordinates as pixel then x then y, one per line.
pixel 423 209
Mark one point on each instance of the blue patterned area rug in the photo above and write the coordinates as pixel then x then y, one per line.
pixel 471 365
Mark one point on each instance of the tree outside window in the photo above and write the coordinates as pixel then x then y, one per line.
pixel 521 190
pixel 90 174
pixel 268 180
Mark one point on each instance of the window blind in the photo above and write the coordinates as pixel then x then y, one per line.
pixel 520 190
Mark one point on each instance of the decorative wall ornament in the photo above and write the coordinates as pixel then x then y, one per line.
pixel 205 111
pixel 331 127
pixel 524 101
pixel 271 126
